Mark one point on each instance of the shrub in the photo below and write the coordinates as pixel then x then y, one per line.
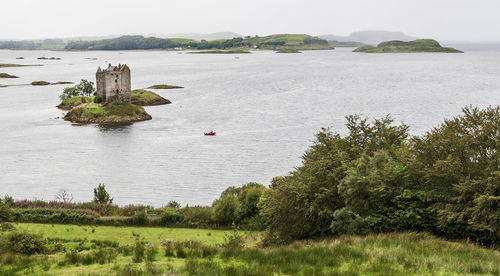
pixel 5 213
pixel 8 200
pixel 173 204
pixel 140 218
pixel 139 250
pixel 170 217
pixel 151 253
pixel 28 244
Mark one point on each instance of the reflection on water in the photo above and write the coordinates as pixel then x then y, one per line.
pixel 264 107
pixel 114 127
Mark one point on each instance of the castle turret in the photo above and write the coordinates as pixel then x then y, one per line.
pixel 113 83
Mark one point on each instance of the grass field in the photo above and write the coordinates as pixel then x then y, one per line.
pixel 384 254
pixel 124 234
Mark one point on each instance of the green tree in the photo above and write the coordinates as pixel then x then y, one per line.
pixel 457 166
pixel 69 92
pixel 304 203
pixel 101 195
pixel 86 88
pixel 226 209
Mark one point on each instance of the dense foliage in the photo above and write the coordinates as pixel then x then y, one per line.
pixel 84 88
pixel 378 179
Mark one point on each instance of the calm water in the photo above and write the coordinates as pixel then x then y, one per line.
pixel 265 108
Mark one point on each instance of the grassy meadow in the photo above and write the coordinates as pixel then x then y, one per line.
pixel 215 252
pixel 125 234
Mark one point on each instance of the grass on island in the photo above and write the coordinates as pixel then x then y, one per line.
pixel 288 51
pixel 7 76
pixel 51 58
pixel 145 98
pixel 235 51
pixel 387 254
pixel 40 83
pixel 416 46
pixel 75 101
pixel 164 86
pixel 109 113
pixel 18 65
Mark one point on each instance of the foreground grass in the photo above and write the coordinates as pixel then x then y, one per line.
pixel 385 254
pixel 124 234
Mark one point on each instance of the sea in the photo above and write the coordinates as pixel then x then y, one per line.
pixel 265 108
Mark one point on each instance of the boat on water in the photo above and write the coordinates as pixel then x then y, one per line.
pixel 211 133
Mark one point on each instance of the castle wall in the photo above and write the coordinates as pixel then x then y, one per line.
pixel 100 84
pixel 126 86
pixel 114 85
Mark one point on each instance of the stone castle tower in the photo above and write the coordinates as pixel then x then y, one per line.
pixel 113 84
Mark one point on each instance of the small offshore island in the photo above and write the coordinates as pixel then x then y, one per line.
pixel 416 46
pixel 113 103
pixel 140 97
pixel 7 76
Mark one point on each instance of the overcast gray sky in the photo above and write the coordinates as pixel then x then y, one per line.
pixel 441 19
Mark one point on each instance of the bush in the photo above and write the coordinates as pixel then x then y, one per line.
pixel 139 250
pixel 171 217
pixel 140 218
pixel 173 204
pixel 8 200
pixel 28 244
pixel 5 213
pixel 100 256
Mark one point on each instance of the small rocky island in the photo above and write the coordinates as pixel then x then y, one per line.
pixel 113 102
pixel 138 97
pixel 416 46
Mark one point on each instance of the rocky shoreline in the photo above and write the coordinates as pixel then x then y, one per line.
pixel 120 113
pixel 111 121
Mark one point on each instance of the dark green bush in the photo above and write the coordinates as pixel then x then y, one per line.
pixel 6 213
pixel 171 217
pixel 139 250
pixel 28 244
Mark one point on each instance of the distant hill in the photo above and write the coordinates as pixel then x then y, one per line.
pixel 416 46
pixel 139 42
pixel 369 37
pixel 200 37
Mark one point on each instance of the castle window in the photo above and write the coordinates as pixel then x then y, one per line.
pixel 116 81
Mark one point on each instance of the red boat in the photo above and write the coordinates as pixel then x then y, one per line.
pixel 211 133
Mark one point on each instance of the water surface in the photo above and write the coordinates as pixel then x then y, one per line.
pixel 265 108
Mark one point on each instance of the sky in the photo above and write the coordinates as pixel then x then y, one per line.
pixel 463 20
